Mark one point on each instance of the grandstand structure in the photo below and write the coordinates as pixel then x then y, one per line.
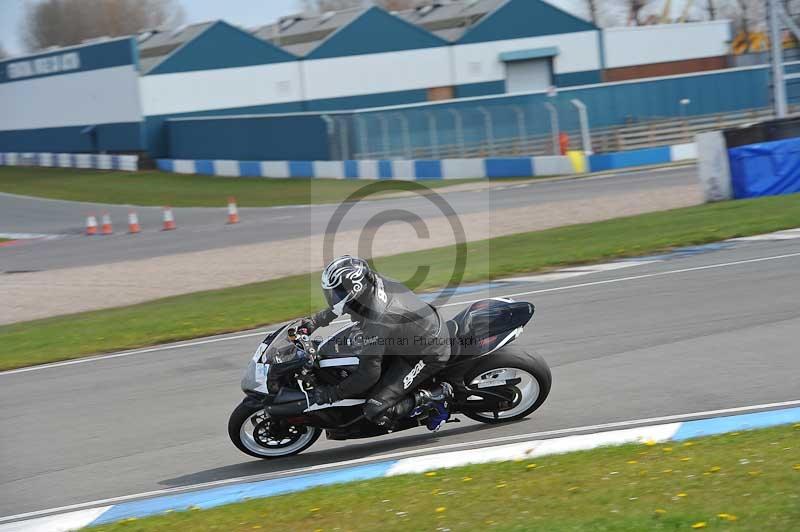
pixel 129 94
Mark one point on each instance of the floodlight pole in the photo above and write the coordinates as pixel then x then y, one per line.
pixel 361 123
pixel 487 116
pixel 583 116
pixel 778 83
pixel 554 130
pixel 433 130
pixel 458 122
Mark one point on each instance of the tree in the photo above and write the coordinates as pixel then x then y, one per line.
pixel 67 22
pixel 712 6
pixel 747 15
pixel 3 53
pixel 594 14
pixel 634 10
pixel 603 13
pixel 321 6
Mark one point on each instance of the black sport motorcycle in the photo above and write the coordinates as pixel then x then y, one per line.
pixel 492 382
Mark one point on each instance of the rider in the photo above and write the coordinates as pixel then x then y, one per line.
pixel 389 320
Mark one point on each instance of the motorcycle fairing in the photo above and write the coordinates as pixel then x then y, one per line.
pixel 488 325
pixel 343 402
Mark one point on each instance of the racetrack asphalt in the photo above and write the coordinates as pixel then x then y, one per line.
pixel 205 228
pixel 691 332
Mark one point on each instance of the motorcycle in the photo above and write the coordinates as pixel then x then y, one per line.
pixel 492 382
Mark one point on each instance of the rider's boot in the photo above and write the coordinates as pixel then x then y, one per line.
pixel 435 401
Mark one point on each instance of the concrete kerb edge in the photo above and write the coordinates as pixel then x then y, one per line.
pixel 210 498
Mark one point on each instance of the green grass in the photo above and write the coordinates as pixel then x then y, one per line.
pixel 737 481
pixel 249 306
pixel 177 190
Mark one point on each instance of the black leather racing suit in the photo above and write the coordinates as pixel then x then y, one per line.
pixel 397 329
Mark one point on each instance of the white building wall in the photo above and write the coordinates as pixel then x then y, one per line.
pixel 376 73
pixel 105 96
pixel 224 88
pixel 642 45
pixel 480 62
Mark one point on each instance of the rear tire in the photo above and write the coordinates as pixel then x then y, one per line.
pixel 243 436
pixel 513 358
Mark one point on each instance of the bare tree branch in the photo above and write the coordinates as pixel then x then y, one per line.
pixel 67 22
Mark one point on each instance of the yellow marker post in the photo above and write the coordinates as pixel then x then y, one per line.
pixel 578 160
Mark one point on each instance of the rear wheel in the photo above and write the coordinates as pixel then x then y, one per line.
pixel 254 433
pixel 512 372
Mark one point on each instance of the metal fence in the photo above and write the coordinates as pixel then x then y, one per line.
pixel 449 132
pixel 667 131
pixel 665 110
pixel 513 130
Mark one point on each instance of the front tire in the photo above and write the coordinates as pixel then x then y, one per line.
pixel 533 388
pixel 247 428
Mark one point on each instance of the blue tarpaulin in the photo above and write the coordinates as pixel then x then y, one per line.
pixel 765 169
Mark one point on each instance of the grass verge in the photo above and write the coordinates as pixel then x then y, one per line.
pixel 737 481
pixel 177 190
pixel 244 307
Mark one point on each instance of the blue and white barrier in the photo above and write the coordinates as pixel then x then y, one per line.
pixel 128 163
pixel 243 490
pixel 643 157
pixel 496 167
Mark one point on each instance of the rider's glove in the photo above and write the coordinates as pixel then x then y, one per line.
pixel 306 326
pixel 324 395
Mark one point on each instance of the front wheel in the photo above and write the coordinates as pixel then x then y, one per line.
pixel 254 433
pixel 530 380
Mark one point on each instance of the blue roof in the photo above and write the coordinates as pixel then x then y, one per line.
pixel 375 31
pixel 221 46
pixel 517 19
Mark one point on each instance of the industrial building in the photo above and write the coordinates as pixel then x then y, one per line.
pixel 119 94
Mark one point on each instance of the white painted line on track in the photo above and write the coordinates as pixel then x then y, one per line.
pixel 789 234
pixel 136 352
pixel 400 454
pixel 634 277
pixel 447 305
pixel 577 271
pixel 28 236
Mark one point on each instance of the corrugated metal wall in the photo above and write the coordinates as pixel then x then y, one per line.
pixel 399 130
pixel 382 131
pixel 294 137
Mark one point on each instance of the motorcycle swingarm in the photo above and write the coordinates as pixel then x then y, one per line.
pixel 491 396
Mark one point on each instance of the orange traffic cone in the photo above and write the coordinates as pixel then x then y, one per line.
pixel 133 223
pixel 233 211
pixel 105 227
pixel 91 225
pixel 169 220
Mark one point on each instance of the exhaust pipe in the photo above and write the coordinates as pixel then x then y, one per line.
pixel 287 409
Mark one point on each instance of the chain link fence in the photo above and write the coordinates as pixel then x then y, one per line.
pixel 453 131
pixel 597 118
pixel 507 131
